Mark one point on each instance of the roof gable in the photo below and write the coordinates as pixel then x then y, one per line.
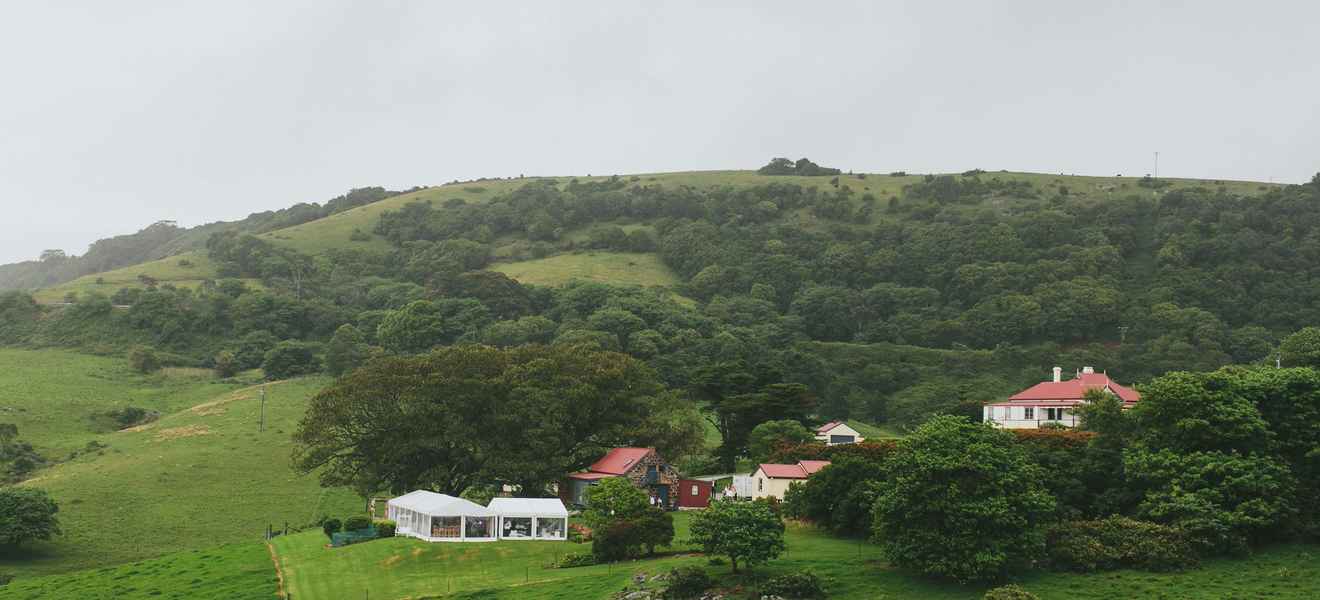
pixel 619 460
pixel 801 470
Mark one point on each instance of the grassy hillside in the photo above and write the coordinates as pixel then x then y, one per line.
pixel 51 394
pixel 233 572
pixel 185 271
pixel 199 477
pixel 403 568
pixel 611 267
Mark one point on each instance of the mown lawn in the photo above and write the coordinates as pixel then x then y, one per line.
pixel 233 572
pixel 197 478
pixel 406 568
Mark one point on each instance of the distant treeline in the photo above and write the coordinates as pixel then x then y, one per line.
pixel 164 238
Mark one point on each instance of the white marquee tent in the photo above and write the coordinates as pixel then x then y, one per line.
pixel 442 518
pixel 531 518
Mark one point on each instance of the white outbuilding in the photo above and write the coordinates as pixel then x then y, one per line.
pixel 442 518
pixel 531 518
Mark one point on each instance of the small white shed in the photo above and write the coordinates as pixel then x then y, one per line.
pixel 531 518
pixel 441 518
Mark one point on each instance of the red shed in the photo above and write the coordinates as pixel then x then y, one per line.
pixel 694 493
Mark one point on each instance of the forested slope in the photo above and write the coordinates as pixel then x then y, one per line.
pixel 890 296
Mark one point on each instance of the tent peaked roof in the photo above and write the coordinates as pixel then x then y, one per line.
pixel 516 507
pixel 432 503
pixel 618 460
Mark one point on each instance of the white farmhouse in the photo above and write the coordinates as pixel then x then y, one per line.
pixel 1054 402
pixel 774 480
pixel 837 432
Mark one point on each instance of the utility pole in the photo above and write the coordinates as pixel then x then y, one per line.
pixel 1157 164
pixel 262 427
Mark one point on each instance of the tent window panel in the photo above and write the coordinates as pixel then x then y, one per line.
pixel 446 527
pixel 549 527
pixel 517 527
pixel 478 527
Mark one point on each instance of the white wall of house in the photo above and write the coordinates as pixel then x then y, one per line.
pixel 1028 417
pixel 763 486
pixel 840 434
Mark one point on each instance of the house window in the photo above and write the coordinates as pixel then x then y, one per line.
pixel 760 484
pixel 694 490
pixel 1054 414
pixel 1029 413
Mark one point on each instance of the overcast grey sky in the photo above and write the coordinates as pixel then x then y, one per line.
pixel 117 114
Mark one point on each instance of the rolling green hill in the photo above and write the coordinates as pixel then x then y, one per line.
pixel 200 476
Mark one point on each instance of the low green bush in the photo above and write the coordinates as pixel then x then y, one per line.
pixel 357 523
pixel 1116 543
pixel 331 527
pixel 803 585
pixel 576 559
pixel 385 528
pixel 1009 592
pixel 687 582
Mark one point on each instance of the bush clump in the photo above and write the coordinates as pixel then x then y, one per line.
pixel 803 585
pixel 575 559
pixel 331 527
pixel 1116 543
pixel 687 582
pixel 385 528
pixel 357 523
pixel 1009 592
pixel 143 359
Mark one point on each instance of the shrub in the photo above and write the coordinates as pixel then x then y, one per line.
pixel 290 359
pixel 803 584
pixel 331 527
pixel 579 533
pixel 1008 592
pixel 385 528
pixel 143 359
pixel 615 541
pixel 226 364
pixel 357 523
pixel 576 559
pixel 687 582
pixel 1118 542
pixel 26 514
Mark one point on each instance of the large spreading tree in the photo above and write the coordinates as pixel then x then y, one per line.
pixel 460 415
pixel 961 501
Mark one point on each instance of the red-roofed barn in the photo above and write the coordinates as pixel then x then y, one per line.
pixel 1053 402
pixel 642 466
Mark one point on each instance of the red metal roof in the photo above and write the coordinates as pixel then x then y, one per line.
pixel 1068 393
pixel 811 466
pixel 801 470
pixel 619 460
pixel 828 426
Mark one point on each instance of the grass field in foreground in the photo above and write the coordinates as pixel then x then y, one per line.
pixel 611 267
pixel 198 478
pixel 233 572
pixel 50 394
pixel 407 568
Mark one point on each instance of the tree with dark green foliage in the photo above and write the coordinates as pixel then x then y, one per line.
pixel 144 359
pixel 416 327
pixel 613 498
pixel 746 532
pixel 961 501
pixel 766 437
pixel 840 496
pixel 226 364
pixel 404 423
pixel 26 514
pixel 346 351
pixel 1301 349
pixel 290 359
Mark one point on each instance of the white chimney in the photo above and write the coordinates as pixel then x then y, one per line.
pixel 1058 374
pixel 1088 370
